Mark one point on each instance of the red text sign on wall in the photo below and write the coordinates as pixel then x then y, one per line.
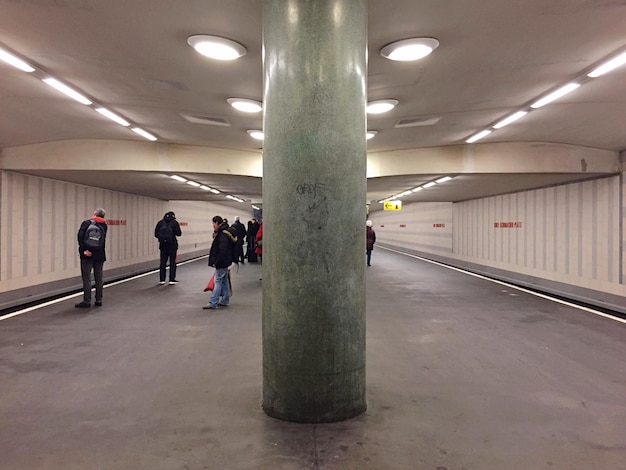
pixel 507 225
pixel 439 225
pixel 183 224
pixel 116 222
pixel 402 225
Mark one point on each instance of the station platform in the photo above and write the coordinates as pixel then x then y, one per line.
pixel 462 373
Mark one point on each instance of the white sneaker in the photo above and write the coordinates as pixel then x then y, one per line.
pixel 173 282
pixel 162 282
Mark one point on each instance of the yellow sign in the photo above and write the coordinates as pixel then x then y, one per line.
pixel 392 205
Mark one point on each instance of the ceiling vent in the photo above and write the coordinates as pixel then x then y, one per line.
pixel 208 120
pixel 418 121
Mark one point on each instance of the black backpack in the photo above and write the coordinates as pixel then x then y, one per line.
pixel 165 233
pixel 94 236
pixel 233 244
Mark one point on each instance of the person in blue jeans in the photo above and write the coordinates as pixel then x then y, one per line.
pixel 221 257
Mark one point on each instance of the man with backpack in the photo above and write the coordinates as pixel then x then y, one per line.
pixel 91 240
pixel 166 231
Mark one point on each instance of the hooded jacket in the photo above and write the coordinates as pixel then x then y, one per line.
pixel 169 219
pixel 221 254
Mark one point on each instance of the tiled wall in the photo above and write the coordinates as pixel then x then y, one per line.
pixel 39 220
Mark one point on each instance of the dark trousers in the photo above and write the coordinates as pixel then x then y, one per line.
pixel 165 256
pixel 86 266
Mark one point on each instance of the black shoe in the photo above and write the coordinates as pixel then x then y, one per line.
pixel 82 304
pixel 98 304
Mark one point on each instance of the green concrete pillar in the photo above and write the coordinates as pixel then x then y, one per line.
pixel 314 194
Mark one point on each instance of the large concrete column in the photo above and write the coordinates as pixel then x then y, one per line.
pixel 314 190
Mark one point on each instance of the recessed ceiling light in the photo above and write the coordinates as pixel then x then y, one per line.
pixel 370 134
pixel 15 61
pixel 478 136
pixel 245 105
pixel 113 117
pixel 216 47
pixel 144 134
pixel 510 119
pixel 381 106
pixel 258 135
pixel 54 83
pixel 564 90
pixel 608 66
pixel 409 49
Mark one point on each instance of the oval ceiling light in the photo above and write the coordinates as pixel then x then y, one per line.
pixel 216 47
pixel 258 135
pixel 381 106
pixel 247 106
pixel 409 49
pixel 370 134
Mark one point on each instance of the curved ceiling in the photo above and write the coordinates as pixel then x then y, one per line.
pixel 494 58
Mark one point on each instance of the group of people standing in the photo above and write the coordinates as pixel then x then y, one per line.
pixel 226 248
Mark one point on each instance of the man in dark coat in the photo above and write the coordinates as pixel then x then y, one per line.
pixel 221 257
pixel 91 249
pixel 166 230
pixel 370 239
pixel 241 236
pixel 253 228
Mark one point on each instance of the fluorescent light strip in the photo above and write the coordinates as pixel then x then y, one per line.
pixel 214 191
pixel 178 178
pixel 15 61
pixel 193 183
pixel 113 117
pixel 478 136
pixel 564 90
pixel 143 133
pixel 54 83
pixel 608 66
pixel 429 185
pixel 443 179
pixel 510 119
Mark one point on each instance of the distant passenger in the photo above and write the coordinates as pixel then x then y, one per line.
pixel 166 231
pixel 91 240
pixel 370 239
pixel 253 228
pixel 221 257
pixel 258 239
pixel 241 235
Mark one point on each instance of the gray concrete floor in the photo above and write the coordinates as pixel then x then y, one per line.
pixel 462 374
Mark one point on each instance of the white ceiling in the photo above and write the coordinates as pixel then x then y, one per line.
pixel 494 57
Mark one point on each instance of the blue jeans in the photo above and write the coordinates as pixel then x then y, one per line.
pixel 221 292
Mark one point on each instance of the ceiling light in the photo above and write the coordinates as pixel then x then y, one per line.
pixel 178 178
pixel 215 47
pixel 258 135
pixel 15 61
pixel 564 90
pixel 409 49
pixel 247 106
pixel 381 106
pixel 370 134
pixel 414 190
pixel 193 183
pixel 113 117
pixel 429 185
pixel 608 66
pixel 144 134
pixel 54 83
pixel 206 188
pixel 478 136
pixel 214 191
pixel 443 180
pixel 510 119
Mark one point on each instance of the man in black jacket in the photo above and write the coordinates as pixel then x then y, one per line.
pixel 91 241
pixel 166 230
pixel 241 235
pixel 221 257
